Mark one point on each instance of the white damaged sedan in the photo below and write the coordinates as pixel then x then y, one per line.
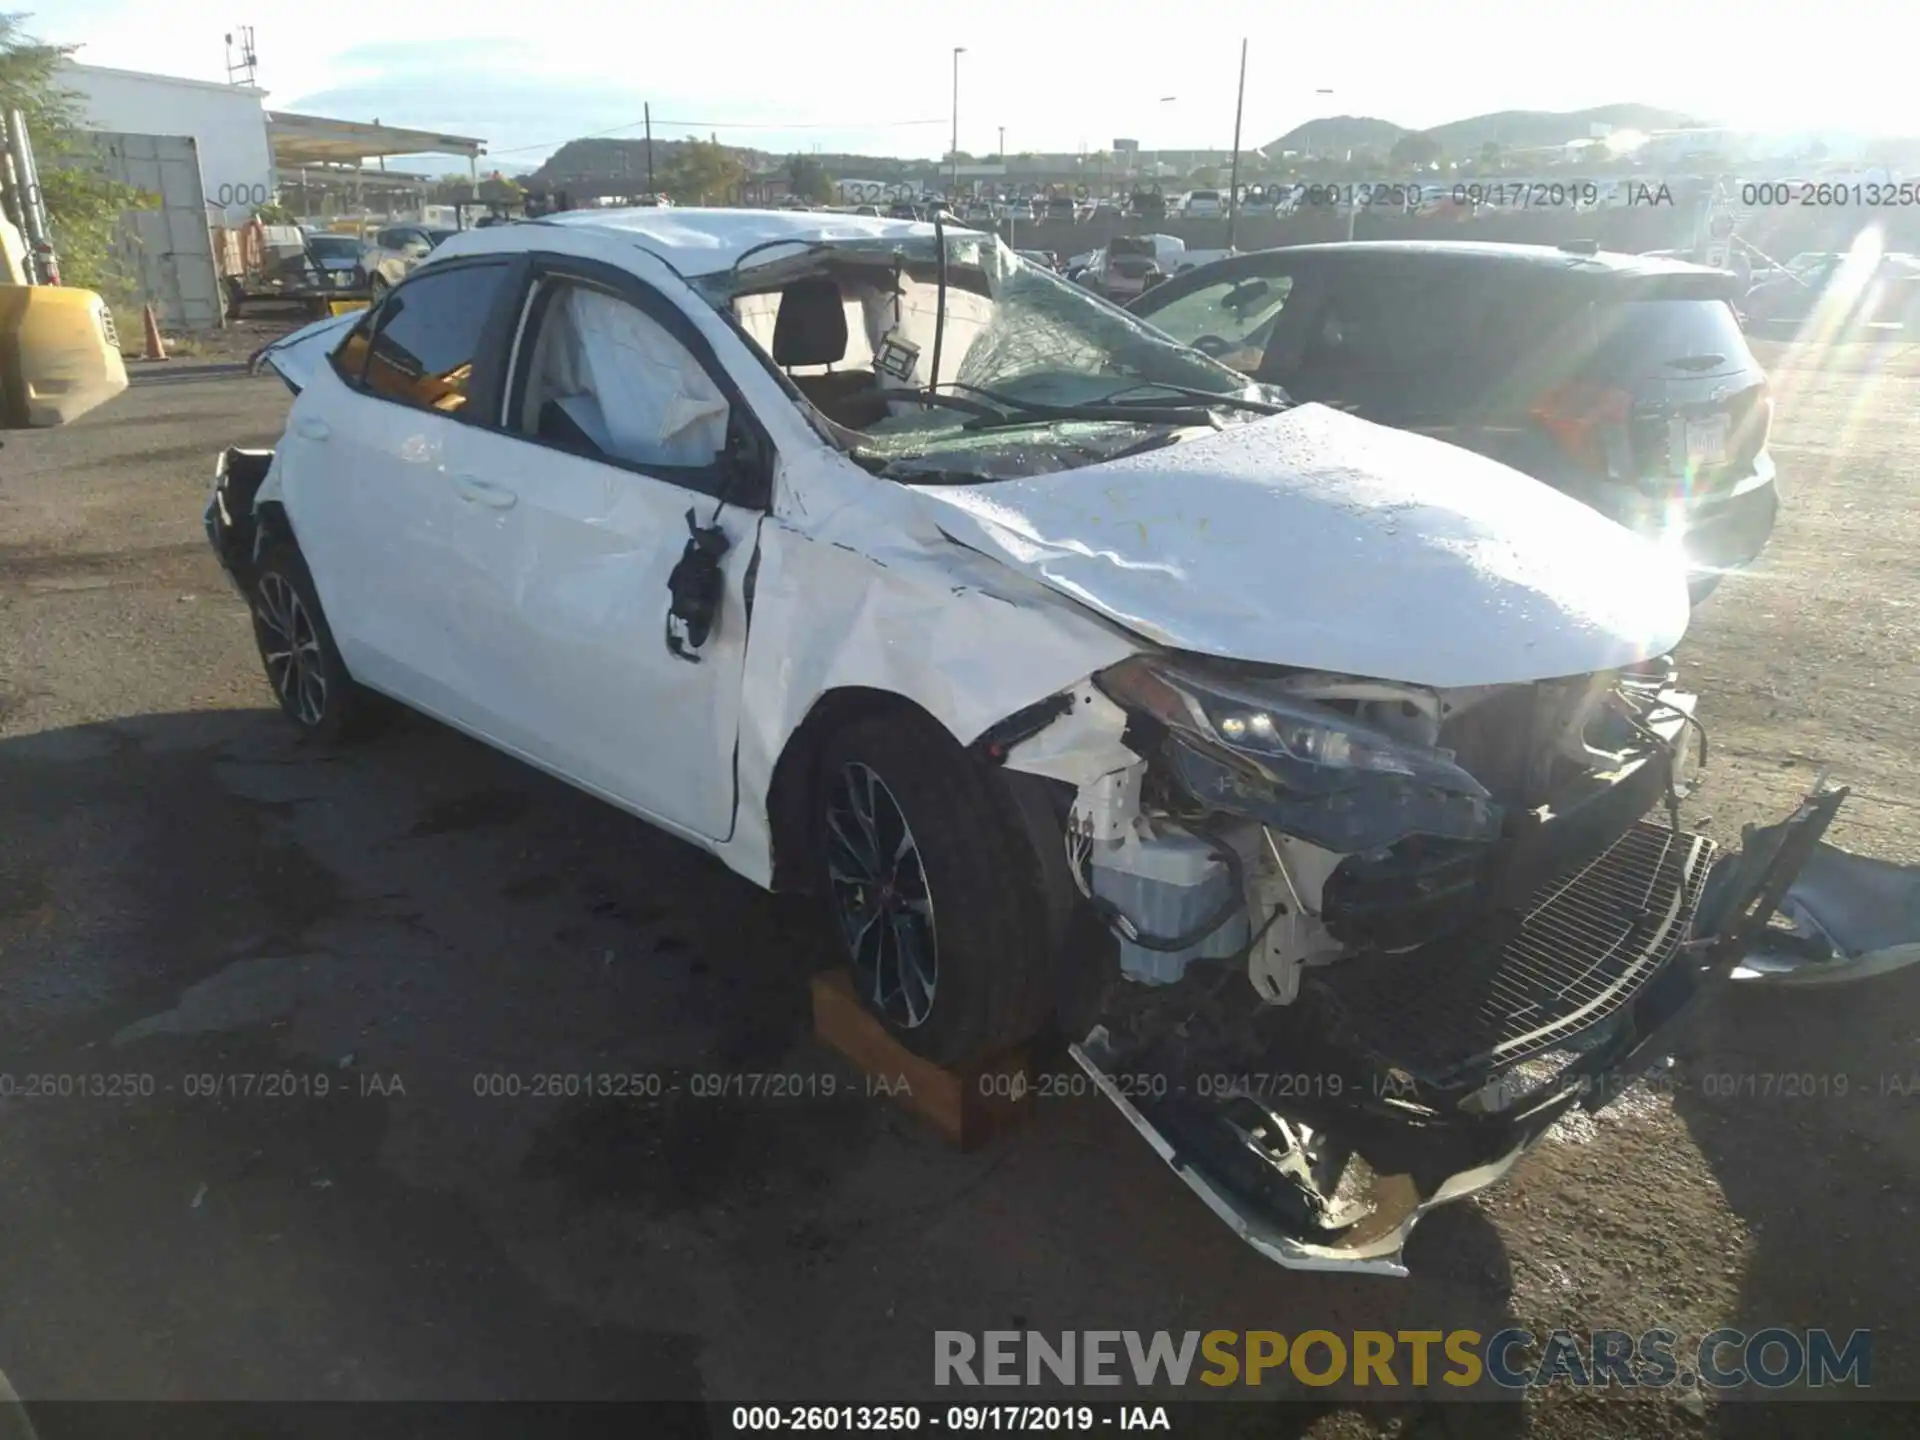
pixel 1321 780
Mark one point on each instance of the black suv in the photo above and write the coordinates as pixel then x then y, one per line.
pixel 1622 380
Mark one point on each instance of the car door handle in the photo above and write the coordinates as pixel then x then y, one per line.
pixel 309 428
pixel 484 492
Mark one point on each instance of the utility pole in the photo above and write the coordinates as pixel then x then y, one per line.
pixel 1233 179
pixel 953 190
pixel 647 111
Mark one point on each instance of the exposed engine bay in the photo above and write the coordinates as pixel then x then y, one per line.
pixel 1371 939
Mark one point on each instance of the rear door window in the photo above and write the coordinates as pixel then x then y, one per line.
pixel 426 337
pixel 1394 324
pixel 1423 346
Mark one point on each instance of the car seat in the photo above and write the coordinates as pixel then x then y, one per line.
pixel 811 329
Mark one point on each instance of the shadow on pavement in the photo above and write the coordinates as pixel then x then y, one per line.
pixel 370 1062
pixel 1806 1105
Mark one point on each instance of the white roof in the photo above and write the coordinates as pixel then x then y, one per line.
pixel 701 242
pixel 74 70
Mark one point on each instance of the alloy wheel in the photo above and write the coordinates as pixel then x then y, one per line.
pixel 880 897
pixel 291 648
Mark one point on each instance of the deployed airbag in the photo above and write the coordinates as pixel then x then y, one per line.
pixel 652 402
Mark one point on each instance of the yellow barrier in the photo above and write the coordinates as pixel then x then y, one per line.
pixel 59 355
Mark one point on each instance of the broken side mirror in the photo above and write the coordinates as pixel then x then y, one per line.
pixel 695 590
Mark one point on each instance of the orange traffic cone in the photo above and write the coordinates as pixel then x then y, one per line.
pixel 156 347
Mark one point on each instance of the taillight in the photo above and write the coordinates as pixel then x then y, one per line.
pixel 1578 416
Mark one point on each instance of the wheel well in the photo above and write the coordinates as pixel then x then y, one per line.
pixel 271 528
pixel 794 788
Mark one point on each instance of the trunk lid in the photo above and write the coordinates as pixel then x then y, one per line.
pixel 1667 398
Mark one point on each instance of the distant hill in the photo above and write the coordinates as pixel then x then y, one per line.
pixel 1531 129
pixel 586 163
pixel 1509 129
pixel 1335 133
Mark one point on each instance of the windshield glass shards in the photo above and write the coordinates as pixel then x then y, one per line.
pixel 1034 372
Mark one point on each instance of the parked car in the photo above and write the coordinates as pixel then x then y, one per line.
pixel 1126 264
pixel 1147 205
pixel 1204 205
pixel 1837 293
pixel 1244 736
pixel 1620 380
pixel 348 264
pixel 417 241
pixel 398 248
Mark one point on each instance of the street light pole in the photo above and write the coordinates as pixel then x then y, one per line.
pixel 953 189
pixel 1233 175
pixel 1164 100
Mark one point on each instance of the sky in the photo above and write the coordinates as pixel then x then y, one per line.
pixel 878 78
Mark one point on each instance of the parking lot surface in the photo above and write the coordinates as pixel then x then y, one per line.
pixel 355 1046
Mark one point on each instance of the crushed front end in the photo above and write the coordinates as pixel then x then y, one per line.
pixel 1374 939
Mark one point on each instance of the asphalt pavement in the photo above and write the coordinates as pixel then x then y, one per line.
pixel 378 1074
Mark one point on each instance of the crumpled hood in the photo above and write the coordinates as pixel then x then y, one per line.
pixel 294 357
pixel 1318 540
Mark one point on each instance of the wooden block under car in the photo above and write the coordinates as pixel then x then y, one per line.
pixel 968 1107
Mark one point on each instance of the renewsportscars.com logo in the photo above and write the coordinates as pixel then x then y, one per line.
pixel 1773 1358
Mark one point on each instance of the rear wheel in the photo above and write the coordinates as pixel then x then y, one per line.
pixel 931 891
pixel 303 664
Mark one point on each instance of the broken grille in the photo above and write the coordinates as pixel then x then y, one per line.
pixel 1450 1013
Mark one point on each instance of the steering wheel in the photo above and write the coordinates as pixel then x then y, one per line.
pixel 1213 346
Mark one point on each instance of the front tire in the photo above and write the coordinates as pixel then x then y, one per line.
pixel 297 650
pixel 931 891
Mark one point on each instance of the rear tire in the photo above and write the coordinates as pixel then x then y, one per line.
pixel 302 663
pixel 931 891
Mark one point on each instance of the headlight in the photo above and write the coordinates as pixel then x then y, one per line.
pixel 1307 769
pixel 1306 747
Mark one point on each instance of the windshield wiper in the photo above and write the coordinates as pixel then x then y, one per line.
pixel 1015 411
pixel 1211 398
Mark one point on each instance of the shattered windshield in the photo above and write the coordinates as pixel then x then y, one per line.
pixel 998 368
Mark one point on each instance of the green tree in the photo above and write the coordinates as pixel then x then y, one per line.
pixel 83 205
pixel 702 173
pixel 501 189
pixel 1490 155
pixel 1415 150
pixel 809 181
pixel 1204 178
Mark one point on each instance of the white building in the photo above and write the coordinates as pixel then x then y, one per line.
pixel 228 124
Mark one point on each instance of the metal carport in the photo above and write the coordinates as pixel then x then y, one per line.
pixel 302 142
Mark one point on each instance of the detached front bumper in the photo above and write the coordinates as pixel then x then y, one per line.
pixel 232 529
pixel 1437 1085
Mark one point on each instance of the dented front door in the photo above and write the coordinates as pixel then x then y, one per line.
pixel 571 558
